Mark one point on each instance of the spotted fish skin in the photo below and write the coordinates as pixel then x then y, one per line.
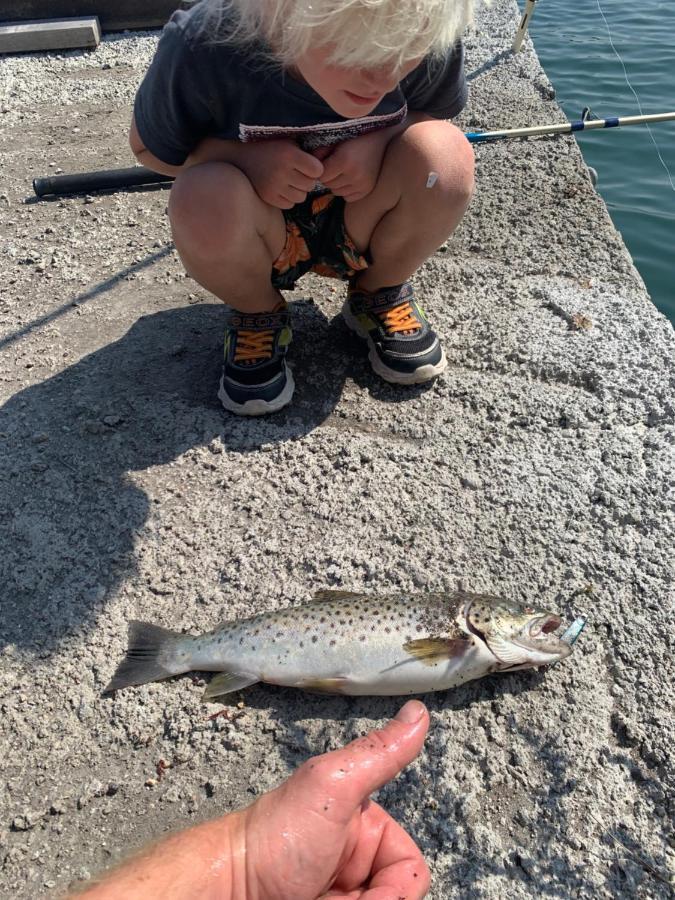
pixel 341 642
pixel 356 642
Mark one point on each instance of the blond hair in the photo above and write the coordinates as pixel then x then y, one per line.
pixel 359 33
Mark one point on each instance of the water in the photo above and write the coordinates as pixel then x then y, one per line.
pixel 574 47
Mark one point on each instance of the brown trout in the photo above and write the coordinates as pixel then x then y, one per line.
pixel 352 643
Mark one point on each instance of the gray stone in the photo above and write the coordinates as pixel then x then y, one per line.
pixel 49 34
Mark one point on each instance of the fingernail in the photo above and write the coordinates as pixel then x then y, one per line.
pixel 411 712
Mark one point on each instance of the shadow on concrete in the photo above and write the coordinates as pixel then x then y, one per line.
pixel 101 288
pixel 535 807
pixel 490 64
pixel 69 510
pixel 537 816
pixel 113 16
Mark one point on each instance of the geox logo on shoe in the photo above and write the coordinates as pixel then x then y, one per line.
pixel 257 321
pixel 398 294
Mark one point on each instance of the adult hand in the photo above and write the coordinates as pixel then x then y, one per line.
pixel 316 836
pixel 319 835
pixel 281 173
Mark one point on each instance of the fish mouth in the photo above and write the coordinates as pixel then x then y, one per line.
pixel 535 645
pixel 545 624
pixel 540 642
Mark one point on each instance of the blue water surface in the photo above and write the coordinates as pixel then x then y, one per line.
pixel 573 44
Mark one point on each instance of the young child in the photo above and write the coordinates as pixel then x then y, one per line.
pixel 310 135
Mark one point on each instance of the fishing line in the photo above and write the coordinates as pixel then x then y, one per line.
pixel 625 75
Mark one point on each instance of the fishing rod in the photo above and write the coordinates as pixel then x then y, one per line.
pixel 136 176
pixel 103 180
pixel 522 28
pixel 583 124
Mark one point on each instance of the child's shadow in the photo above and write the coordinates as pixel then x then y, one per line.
pixel 69 508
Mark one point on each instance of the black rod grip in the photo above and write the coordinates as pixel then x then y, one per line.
pixel 105 180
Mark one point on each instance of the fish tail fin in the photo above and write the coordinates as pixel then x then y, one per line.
pixel 147 658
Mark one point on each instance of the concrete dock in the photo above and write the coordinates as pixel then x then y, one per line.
pixel 541 467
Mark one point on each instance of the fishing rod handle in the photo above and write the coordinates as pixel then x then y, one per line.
pixel 106 179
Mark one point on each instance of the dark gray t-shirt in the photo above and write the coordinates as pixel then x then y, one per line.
pixel 195 89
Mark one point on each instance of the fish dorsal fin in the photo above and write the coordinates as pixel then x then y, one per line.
pixel 226 683
pixel 479 596
pixel 433 650
pixel 320 596
pixel 505 651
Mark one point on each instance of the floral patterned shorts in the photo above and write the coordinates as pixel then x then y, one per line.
pixel 316 241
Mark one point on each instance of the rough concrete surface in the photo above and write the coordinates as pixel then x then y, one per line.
pixel 540 466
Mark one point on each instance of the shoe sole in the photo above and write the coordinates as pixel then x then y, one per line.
pixel 419 376
pixel 258 407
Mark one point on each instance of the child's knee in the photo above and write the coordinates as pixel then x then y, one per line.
pixel 206 201
pixel 436 147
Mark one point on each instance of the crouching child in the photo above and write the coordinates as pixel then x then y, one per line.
pixel 310 135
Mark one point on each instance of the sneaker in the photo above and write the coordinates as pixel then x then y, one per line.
pixel 256 379
pixel 403 348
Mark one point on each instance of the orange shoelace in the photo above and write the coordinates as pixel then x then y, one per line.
pixel 253 345
pixel 400 319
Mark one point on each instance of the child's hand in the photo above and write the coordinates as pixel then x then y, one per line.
pixel 281 173
pixel 352 169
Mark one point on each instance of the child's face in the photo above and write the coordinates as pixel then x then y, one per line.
pixel 350 92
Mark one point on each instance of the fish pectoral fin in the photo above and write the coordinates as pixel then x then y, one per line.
pixel 319 596
pixel 324 685
pixel 226 683
pixel 431 651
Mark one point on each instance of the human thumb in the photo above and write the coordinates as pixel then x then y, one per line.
pixel 351 774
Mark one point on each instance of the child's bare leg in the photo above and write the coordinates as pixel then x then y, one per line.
pixel 227 237
pixel 402 221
